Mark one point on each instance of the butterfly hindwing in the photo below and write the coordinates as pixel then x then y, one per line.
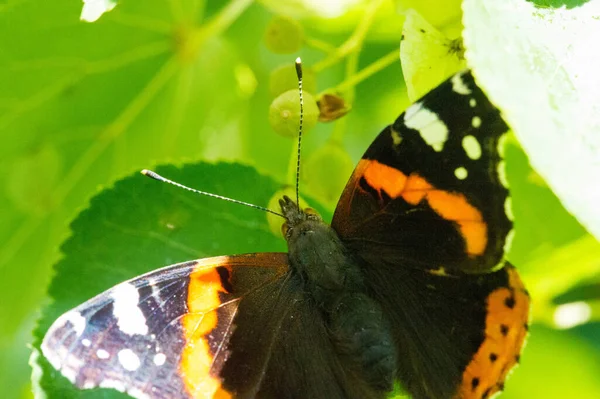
pixel 164 334
pixel 430 191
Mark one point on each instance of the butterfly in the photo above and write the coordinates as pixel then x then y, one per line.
pixel 408 284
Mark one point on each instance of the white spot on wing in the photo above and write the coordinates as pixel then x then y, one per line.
pixel 471 147
pixel 129 360
pixel 508 208
pixel 69 374
pixel 508 241
pixel 129 316
pixel 502 174
pixel 114 384
pixel 476 122
pixel 137 393
pixel 396 139
pixel 75 318
pixel 88 384
pixel 86 342
pixel 159 359
pixel 56 353
pixel 433 131
pixel 502 145
pixel 461 173
pixel 472 102
pixel 102 354
pixel 459 86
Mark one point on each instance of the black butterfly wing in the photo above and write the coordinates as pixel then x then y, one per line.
pixel 433 184
pixel 226 327
pixel 281 349
pixel 428 210
pixel 164 334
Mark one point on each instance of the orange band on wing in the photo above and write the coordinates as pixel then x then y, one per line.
pixel 414 189
pixel 196 360
pixel 383 177
pixel 505 332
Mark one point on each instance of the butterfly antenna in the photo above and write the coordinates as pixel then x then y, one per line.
pixel 158 177
pixel 299 74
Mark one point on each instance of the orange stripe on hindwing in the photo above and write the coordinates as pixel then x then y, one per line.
pixel 414 189
pixel 196 360
pixel 505 331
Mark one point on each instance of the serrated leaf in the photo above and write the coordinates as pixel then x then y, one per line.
pixel 543 75
pixel 140 225
pixel 83 104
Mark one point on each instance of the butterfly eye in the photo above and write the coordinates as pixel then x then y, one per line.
pixel 284 229
pixel 312 214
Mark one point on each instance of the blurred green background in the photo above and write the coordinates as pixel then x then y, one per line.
pixel 83 105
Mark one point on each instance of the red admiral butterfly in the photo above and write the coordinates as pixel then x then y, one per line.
pixel 408 284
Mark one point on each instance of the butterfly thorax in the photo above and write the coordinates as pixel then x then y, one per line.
pixel 317 254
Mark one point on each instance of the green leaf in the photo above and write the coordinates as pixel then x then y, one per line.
pixel 82 105
pixel 428 57
pixel 543 75
pixel 555 365
pixel 445 15
pixel 140 225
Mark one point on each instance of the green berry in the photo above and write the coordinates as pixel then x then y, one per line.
pixel 327 171
pixel 276 222
pixel 284 113
pixel 284 35
pixel 284 78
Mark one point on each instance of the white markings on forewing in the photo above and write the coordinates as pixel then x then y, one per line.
pixel 86 342
pixel 129 316
pixel 471 147
pixel 431 128
pixel 69 374
pixel 102 354
pixel 502 174
pixel 508 209
pixel 159 359
pixel 461 173
pixel 508 241
pixel 114 384
pixel 138 393
pixel 128 359
pixel 88 384
pixel 459 86
pixel 502 144
pixel 476 122
pixel 74 317
pixel 69 322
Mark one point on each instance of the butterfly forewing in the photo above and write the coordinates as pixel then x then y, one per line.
pixel 430 191
pixel 164 334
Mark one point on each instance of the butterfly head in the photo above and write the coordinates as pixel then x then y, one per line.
pixel 295 218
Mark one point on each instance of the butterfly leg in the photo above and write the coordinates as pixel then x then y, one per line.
pixel 363 337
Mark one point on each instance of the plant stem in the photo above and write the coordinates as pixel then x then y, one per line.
pixel 319 45
pixel 228 15
pixel 354 41
pixel 368 71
